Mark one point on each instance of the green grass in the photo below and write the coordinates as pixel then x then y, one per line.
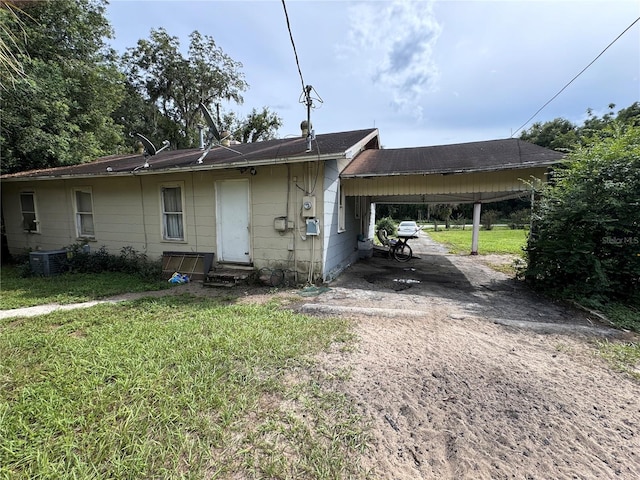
pixel 496 241
pixel 16 292
pixel 623 357
pixel 177 387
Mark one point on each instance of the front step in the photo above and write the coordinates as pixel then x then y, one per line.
pixel 227 276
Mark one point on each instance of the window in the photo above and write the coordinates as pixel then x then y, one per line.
pixel 29 217
pixel 84 213
pixel 172 221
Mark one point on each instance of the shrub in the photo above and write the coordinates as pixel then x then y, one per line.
pixel 81 259
pixel 489 218
pixel 584 241
pixel 387 224
pixel 520 219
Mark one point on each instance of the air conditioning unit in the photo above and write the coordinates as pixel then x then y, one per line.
pixel 48 262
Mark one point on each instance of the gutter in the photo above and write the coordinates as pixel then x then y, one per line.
pixel 452 172
pixel 191 168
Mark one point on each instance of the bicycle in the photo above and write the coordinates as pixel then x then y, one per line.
pixel 398 249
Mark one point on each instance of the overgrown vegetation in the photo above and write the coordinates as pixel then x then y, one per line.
pixel 173 387
pixel 18 291
pixel 81 259
pixel 584 243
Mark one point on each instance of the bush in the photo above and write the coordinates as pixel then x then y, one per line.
pixel 520 219
pixel 80 259
pixel 387 224
pixel 585 240
pixel 489 218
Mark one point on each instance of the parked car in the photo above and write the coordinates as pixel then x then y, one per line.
pixel 408 229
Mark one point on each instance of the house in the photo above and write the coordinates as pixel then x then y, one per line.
pixel 274 204
pixel 294 204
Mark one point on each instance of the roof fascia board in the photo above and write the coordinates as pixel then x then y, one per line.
pixel 456 172
pixel 359 146
pixel 194 168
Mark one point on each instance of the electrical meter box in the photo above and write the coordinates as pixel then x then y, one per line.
pixel 308 206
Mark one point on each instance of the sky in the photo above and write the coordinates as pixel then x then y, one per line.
pixel 424 72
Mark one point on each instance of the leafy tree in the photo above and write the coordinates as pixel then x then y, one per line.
pixel 558 134
pixel 175 85
pixel 10 65
pixel 585 240
pixel 256 126
pixel 59 111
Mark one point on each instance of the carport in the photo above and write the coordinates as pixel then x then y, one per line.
pixel 476 172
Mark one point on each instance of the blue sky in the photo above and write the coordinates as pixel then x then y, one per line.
pixel 423 72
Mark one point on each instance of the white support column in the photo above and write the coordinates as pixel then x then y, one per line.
pixel 476 227
pixel 372 221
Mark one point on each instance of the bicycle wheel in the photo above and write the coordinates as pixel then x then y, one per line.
pixel 402 253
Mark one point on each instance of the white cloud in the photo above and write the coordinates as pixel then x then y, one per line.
pixel 395 42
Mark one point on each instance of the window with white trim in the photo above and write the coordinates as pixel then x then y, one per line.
pixel 172 214
pixel 83 198
pixel 30 221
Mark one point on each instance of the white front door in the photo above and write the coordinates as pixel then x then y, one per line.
pixel 232 224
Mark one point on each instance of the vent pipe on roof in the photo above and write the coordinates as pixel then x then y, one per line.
pixel 201 134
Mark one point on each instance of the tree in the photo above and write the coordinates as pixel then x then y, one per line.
pixel 59 111
pixel 176 85
pixel 585 239
pixel 10 32
pixel 255 127
pixel 558 134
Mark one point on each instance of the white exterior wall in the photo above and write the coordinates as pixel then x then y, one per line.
pixel 127 213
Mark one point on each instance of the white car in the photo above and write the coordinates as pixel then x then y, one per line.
pixel 408 229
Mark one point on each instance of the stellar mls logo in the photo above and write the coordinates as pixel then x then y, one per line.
pixel 621 241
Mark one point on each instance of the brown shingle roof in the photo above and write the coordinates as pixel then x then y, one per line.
pixel 457 158
pixel 270 151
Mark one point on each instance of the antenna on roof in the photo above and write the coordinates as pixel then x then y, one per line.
pixel 214 137
pixel 308 101
pixel 149 148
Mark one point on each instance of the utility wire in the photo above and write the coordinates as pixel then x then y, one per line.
pixel 574 78
pixel 293 44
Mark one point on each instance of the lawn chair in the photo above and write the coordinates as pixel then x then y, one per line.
pixel 397 249
pixel 385 241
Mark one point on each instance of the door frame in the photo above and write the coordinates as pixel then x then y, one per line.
pixel 219 219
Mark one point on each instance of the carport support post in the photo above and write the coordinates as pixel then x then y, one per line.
pixel 476 227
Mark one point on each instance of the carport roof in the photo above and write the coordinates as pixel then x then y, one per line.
pixel 492 155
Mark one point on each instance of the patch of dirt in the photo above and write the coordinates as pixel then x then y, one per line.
pixel 465 374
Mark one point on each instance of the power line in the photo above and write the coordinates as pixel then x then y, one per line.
pixel 293 44
pixel 572 80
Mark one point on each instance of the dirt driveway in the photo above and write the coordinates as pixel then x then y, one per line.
pixel 465 374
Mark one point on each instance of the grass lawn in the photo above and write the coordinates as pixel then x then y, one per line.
pixel 176 387
pixel 496 241
pixel 16 292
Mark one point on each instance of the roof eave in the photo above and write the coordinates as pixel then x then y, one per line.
pixel 456 172
pixel 190 168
